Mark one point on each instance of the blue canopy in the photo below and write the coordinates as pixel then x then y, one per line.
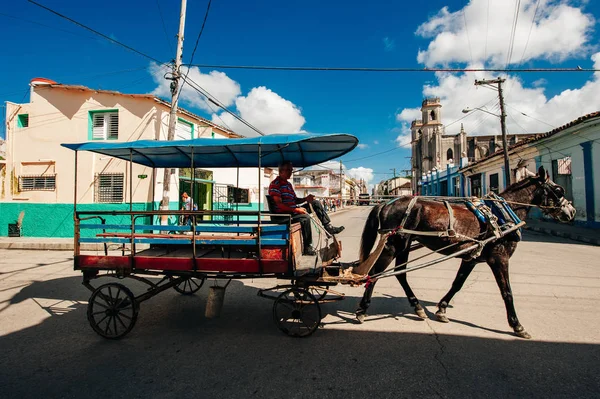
pixel 301 149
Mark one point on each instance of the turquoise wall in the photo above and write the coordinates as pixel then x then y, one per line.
pixel 56 220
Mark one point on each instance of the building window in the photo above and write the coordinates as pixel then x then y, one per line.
pixel 561 175
pixel 23 120
pixel 238 195
pixel 109 187
pixel 494 184
pixel 449 155
pixel 432 115
pixel 184 130
pixel 476 185
pixel 104 125
pixel 37 183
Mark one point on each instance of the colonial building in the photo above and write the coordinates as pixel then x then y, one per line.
pixel 433 149
pixel 569 153
pixel 37 177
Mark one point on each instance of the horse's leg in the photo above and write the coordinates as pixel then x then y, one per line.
pixel 499 266
pixel 403 246
pixel 380 265
pixel 466 267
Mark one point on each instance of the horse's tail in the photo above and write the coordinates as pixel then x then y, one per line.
pixel 369 234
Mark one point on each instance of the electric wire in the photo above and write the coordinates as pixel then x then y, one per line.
pixel 196 45
pixel 164 25
pixel 110 39
pixel 393 70
pixel 529 34
pixel 467 32
pixel 513 33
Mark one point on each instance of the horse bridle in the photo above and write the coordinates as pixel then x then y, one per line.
pixel 552 203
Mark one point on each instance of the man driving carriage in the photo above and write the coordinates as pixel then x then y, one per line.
pixel 286 201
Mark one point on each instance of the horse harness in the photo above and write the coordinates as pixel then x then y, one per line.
pixel 492 211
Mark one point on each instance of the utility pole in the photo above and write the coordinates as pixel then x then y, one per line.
pixel 164 205
pixel 499 82
pixel 341 183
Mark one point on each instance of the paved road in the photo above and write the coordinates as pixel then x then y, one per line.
pixel 48 350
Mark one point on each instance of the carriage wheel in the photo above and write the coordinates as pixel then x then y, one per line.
pixel 189 286
pixel 318 292
pixel 112 310
pixel 297 312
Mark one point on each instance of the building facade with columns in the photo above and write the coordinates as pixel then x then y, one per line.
pixel 434 149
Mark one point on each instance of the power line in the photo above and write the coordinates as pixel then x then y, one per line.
pixel 374 69
pixel 215 101
pixel 487 27
pixel 513 32
pixel 164 25
pixel 196 45
pixel 110 39
pixel 46 26
pixel 529 116
pixel 530 29
pixel 467 32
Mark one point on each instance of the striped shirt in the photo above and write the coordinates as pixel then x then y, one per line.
pixel 283 188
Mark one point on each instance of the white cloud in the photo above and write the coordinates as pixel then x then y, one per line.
pixel 361 173
pixel 389 44
pixel 218 84
pixel 362 146
pixel 266 110
pixel 560 31
pixel 458 92
pixel 376 142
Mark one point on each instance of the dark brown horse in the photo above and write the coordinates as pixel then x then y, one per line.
pixel 432 215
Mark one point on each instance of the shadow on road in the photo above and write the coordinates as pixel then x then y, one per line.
pixel 175 352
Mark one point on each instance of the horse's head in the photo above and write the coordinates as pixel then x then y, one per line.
pixel 551 198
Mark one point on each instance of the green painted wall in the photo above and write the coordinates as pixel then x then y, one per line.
pixel 56 220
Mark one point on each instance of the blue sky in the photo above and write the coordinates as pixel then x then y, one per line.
pixel 376 107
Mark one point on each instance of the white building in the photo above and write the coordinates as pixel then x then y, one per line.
pixel 38 174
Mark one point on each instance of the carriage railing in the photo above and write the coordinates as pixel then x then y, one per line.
pixel 193 228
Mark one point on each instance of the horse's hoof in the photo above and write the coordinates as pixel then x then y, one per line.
pixel 421 313
pixel 361 317
pixel 441 317
pixel 523 334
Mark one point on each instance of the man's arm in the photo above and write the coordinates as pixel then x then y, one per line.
pixel 285 208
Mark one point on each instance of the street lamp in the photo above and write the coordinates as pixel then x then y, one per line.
pixel 502 117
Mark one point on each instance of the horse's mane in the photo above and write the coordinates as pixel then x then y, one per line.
pixel 528 181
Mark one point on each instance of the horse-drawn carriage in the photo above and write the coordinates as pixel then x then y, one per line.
pixel 258 244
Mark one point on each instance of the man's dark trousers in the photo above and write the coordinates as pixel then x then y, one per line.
pixel 304 220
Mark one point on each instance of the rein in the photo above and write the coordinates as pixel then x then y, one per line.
pixel 524 204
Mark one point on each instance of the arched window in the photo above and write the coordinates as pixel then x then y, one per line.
pixel 432 115
pixel 449 155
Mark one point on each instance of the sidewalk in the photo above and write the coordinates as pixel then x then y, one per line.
pixel 45 244
pixel 576 233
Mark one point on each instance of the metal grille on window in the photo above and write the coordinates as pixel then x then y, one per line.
pixel 109 187
pixel 37 183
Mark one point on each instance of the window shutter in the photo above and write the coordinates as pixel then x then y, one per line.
pixel 98 127
pixel 183 131
pixel 113 125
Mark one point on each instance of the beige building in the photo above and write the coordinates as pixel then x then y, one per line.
pixel 37 177
pixel 433 149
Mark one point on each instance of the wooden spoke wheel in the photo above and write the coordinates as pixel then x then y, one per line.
pixel 189 286
pixel 318 292
pixel 112 310
pixel 297 312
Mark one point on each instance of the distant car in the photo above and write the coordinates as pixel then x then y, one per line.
pixel 364 199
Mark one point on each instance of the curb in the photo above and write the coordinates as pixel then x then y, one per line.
pixel 563 234
pixel 49 246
